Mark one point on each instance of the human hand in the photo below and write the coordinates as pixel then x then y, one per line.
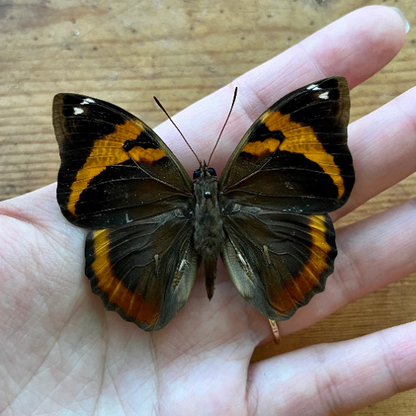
pixel 62 352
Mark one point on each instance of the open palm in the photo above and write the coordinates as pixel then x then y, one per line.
pixel 62 353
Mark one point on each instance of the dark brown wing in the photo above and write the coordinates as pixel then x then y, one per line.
pixel 114 169
pixel 277 260
pixel 290 169
pixel 143 270
pixel 295 155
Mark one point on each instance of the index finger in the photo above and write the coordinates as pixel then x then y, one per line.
pixel 355 46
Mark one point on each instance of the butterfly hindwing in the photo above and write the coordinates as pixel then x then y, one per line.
pixel 114 167
pixel 278 260
pixel 144 270
pixel 291 168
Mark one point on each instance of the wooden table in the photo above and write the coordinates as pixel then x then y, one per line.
pixel 180 50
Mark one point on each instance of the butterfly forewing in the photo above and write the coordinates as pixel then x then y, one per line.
pixel 114 168
pixel 291 168
pixel 296 152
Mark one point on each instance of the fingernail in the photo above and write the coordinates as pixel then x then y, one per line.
pixel 405 21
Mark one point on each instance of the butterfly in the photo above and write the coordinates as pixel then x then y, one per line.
pixel 152 226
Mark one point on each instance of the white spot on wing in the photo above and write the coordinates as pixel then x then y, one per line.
pixel 324 95
pixel 242 260
pixel 87 101
pixel 184 263
pixel 78 110
pixel 313 87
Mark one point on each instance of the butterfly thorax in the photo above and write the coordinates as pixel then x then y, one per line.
pixel 209 233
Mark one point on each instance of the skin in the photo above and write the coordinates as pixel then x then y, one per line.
pixel 62 353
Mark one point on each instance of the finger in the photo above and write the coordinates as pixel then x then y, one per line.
pixel 379 250
pixel 383 145
pixel 372 254
pixel 335 378
pixel 375 34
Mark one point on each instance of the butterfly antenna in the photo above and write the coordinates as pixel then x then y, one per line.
pixel 177 128
pixel 223 127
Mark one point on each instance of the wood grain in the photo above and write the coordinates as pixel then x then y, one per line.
pixel 127 51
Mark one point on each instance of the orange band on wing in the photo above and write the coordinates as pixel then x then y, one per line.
pixel 261 148
pixel 298 139
pixel 132 304
pixel 109 151
pixel 308 278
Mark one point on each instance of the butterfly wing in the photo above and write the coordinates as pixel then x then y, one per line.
pixel 278 260
pixel 291 168
pixel 114 168
pixel 118 178
pixel 143 270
